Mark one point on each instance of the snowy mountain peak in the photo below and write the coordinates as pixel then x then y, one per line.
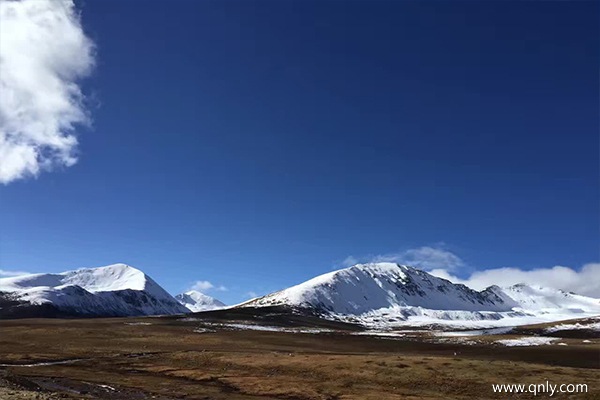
pixel 101 279
pixel 366 287
pixel 109 278
pixel 196 301
pixel 399 294
pixel 114 290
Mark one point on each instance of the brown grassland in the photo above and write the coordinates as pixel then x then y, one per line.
pixel 163 358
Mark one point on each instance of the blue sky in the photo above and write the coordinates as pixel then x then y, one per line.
pixel 256 144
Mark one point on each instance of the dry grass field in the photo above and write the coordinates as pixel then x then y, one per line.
pixel 176 358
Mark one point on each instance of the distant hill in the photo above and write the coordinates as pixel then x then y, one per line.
pixel 196 301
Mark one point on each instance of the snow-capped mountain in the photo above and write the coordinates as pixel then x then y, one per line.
pixel 366 287
pixel 543 299
pixel 391 294
pixel 114 290
pixel 196 301
pixel 376 295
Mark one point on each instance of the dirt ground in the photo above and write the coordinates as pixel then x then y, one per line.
pixel 176 358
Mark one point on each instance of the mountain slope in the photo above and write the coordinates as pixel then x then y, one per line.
pixel 196 301
pixel 387 293
pixel 114 290
pixel 366 287
pixel 541 299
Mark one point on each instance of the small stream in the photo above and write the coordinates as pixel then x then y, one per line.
pixel 478 332
pixel 43 363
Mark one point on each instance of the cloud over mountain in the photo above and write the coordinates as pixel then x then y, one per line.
pixel 424 257
pixel 5 272
pixel 584 282
pixel 206 285
pixel 445 264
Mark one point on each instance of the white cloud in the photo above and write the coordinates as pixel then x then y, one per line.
pixel 251 294
pixel 5 273
pixel 349 261
pixel 586 281
pixel 424 257
pixel 43 54
pixel 204 286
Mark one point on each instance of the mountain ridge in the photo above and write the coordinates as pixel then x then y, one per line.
pixel 113 290
pixel 375 293
pixel 196 301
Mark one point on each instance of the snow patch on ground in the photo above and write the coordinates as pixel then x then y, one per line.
pixel 203 330
pixel 450 320
pixel 107 387
pixel 479 332
pixel 392 334
pixel 457 340
pixel 576 326
pixel 254 327
pixel 527 341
